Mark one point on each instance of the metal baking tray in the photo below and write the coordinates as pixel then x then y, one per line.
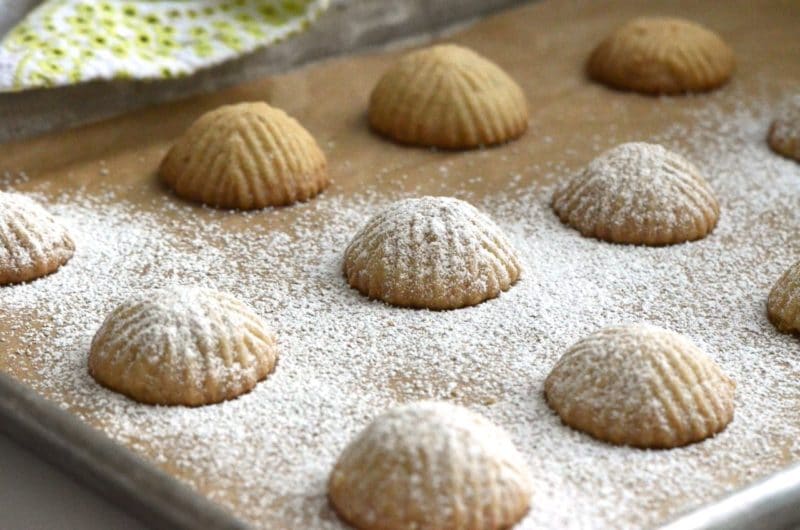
pixel 137 485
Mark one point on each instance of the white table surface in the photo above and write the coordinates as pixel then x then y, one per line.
pixel 36 496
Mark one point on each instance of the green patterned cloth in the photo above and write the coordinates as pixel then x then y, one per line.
pixel 63 42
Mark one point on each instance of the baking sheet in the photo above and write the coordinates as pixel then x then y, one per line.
pixel 543 46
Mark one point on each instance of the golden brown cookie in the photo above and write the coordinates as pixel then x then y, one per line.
pixel 640 194
pixel 431 252
pixel 245 156
pixel 431 466
pixel 640 385
pixel 448 96
pixel 662 55
pixel 32 243
pixel 182 346
pixel 783 304
pixel 784 134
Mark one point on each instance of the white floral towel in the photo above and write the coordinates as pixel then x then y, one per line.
pixel 62 42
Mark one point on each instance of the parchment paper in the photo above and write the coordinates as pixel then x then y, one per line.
pixel 543 46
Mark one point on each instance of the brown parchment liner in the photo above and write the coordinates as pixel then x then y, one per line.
pixel 543 46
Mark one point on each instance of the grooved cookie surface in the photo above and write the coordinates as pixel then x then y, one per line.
pixel 245 156
pixel 32 242
pixel 182 346
pixel 432 466
pixel 783 304
pixel 448 96
pixel 662 55
pixel 641 194
pixel 431 252
pixel 640 385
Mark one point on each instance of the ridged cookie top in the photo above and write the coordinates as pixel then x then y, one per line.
pixel 434 466
pixel 639 193
pixel 783 304
pixel 245 156
pixel 431 252
pixel 784 135
pixel 32 242
pixel 182 346
pixel 662 55
pixel 448 96
pixel 640 385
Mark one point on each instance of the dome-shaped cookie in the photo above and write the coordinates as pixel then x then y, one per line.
pixel 784 135
pixel 434 466
pixel 182 346
pixel 431 252
pixel 245 156
pixel 450 97
pixel 32 242
pixel 641 194
pixel 662 55
pixel 640 385
pixel 783 304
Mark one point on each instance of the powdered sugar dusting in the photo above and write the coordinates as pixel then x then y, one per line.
pixel 434 462
pixel 345 358
pixel 434 252
pixel 181 345
pixel 32 242
pixel 639 192
pixel 640 385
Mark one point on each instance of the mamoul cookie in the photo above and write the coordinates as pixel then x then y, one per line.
pixel 448 96
pixel 182 346
pixel 662 55
pixel 783 304
pixel 640 385
pixel 640 194
pixel 784 135
pixel 245 156
pixel 32 243
pixel 432 466
pixel 431 252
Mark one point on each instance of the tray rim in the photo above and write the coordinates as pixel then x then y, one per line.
pixel 768 503
pixel 108 468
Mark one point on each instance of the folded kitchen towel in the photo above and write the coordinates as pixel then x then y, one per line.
pixel 63 42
